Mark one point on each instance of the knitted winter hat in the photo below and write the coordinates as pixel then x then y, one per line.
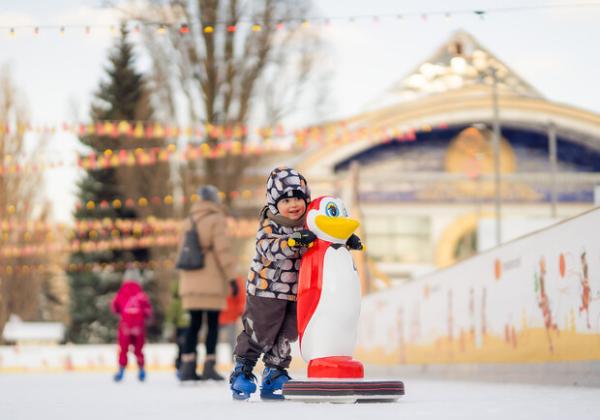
pixel 133 274
pixel 283 183
pixel 209 193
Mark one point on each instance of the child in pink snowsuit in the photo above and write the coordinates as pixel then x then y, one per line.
pixel 134 308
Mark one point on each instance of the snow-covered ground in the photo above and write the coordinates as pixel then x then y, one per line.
pixel 94 396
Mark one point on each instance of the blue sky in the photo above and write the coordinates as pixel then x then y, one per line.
pixel 555 50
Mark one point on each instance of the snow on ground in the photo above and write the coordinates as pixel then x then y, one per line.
pixel 94 396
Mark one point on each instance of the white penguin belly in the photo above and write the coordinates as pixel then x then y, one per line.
pixel 332 329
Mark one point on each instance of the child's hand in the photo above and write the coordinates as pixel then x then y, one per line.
pixel 354 242
pixel 301 238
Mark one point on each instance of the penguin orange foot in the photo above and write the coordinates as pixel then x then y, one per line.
pixel 335 367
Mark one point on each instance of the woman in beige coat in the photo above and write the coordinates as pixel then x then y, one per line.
pixel 205 291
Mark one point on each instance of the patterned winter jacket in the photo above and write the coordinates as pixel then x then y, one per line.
pixel 274 270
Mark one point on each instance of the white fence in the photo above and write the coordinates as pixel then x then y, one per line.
pixel 101 357
pixel 535 299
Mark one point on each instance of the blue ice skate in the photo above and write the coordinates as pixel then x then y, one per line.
pixel 142 375
pixel 273 379
pixel 119 375
pixel 242 381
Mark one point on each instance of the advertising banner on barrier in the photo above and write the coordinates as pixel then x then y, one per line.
pixel 534 299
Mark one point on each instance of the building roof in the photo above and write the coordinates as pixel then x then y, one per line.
pixel 453 89
pixel 458 63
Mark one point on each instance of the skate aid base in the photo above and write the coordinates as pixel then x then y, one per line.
pixel 340 379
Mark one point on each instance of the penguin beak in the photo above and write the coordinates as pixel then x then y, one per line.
pixel 337 227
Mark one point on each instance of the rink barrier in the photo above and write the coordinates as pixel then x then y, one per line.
pixel 532 302
pixel 585 374
pixel 93 358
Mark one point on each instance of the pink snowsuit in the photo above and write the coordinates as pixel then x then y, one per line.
pixel 134 307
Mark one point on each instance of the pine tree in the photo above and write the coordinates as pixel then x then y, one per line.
pixel 124 96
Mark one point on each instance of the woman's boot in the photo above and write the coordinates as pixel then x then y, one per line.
pixel 187 370
pixel 209 369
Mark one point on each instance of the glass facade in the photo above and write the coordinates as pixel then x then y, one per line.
pixel 398 238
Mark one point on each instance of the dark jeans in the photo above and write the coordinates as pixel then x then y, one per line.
pixel 269 328
pixel 191 335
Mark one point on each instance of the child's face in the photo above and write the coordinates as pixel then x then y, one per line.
pixel 292 208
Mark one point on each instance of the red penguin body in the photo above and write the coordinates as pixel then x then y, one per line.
pixel 310 278
pixel 310 283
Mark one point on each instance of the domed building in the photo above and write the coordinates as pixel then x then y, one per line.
pixel 423 171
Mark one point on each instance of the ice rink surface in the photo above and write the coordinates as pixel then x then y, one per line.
pixel 94 396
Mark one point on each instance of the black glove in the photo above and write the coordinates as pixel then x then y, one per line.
pixel 301 238
pixel 233 286
pixel 354 242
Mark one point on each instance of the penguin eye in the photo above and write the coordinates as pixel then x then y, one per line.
pixel 332 210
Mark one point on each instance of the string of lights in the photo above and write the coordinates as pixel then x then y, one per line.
pixel 84 225
pixel 74 246
pixel 164 263
pixel 112 243
pixel 104 227
pixel 185 28
pixel 148 130
pixel 143 156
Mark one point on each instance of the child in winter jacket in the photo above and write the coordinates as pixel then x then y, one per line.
pixel 270 317
pixel 134 309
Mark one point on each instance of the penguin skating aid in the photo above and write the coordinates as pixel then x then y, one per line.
pixel 328 312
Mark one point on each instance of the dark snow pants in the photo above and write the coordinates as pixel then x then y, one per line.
pixel 269 328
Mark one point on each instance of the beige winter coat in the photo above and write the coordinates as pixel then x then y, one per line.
pixel 208 287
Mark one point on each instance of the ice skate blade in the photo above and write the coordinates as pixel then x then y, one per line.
pixel 240 397
pixel 271 397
